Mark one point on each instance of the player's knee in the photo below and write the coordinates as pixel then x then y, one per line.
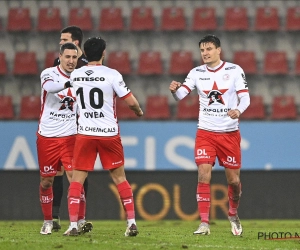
pixel 46 183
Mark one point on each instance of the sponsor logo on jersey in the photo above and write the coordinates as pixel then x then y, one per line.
pixel 204 79
pixel 67 103
pixel 46 77
pixel 226 77
pixel 89 72
pixel 82 79
pixel 200 70
pixel 215 95
pixel 229 68
pixel 98 130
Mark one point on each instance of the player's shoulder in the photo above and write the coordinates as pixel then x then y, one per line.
pixel 232 66
pixel 199 69
pixel 49 71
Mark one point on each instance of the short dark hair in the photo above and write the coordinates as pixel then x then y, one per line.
pixel 76 33
pixel 211 39
pixel 67 46
pixel 93 48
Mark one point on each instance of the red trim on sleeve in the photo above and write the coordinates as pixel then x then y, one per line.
pixel 242 91
pixel 188 89
pixel 45 82
pixel 125 96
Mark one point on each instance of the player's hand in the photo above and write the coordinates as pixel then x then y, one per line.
pixel 234 113
pixel 139 112
pixel 68 84
pixel 174 86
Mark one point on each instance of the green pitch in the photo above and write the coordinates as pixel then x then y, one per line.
pixel 163 235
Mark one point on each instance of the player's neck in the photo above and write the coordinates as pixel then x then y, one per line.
pixel 95 63
pixel 214 65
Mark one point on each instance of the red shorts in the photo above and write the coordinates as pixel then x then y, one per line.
pixel 54 152
pixel 225 146
pixel 87 147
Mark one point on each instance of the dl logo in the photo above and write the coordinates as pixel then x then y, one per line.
pixel 48 168
pixel 231 159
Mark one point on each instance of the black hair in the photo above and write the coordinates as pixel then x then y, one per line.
pixel 211 39
pixel 67 46
pixel 76 33
pixel 93 48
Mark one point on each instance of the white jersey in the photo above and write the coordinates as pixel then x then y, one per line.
pixel 218 91
pixel 96 87
pixel 59 107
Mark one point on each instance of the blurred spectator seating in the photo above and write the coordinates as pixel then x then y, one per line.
pixel 275 63
pixel 6 107
pixel 157 107
pixel 111 19
pixel 3 64
pixel 142 19
pixel 19 19
pixel 30 108
pixel 297 64
pixel 204 19
pixel 25 63
pixel 150 63
pixel 236 19
pixel 181 62
pixel 123 111
pixel 284 108
pixel 81 17
pixel 256 110
pixel 292 22
pixel 266 19
pixel 49 58
pixel 188 108
pixel 119 60
pixel 173 19
pixel 49 19
pixel 246 60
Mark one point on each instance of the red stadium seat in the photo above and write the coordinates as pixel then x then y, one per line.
pixel 142 19
pixel 181 62
pixel 123 111
pixel 297 64
pixel 150 63
pixel 236 19
pixel 49 59
pixel 173 19
pixel 293 19
pixel 188 108
pixel 49 19
pixel 19 19
pixel 119 60
pixel 275 63
pixel 111 19
pixel 157 107
pixel 6 107
pixel 81 17
pixel 283 108
pixel 25 63
pixel 204 19
pixel 256 110
pixel 266 19
pixel 30 107
pixel 246 59
pixel 3 64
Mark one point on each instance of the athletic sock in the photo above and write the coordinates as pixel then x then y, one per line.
pixel 46 200
pixel 57 195
pixel 74 200
pixel 82 206
pixel 234 195
pixel 203 200
pixel 126 197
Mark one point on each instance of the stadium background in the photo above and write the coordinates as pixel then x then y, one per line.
pixel 152 43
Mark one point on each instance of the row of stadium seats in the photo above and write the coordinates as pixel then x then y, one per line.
pixel 151 63
pixel 142 19
pixel 158 108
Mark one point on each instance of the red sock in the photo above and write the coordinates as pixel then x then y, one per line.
pixel 234 195
pixel 82 206
pixel 203 199
pixel 126 196
pixel 74 200
pixel 46 200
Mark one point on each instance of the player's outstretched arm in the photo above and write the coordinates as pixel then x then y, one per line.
pixel 134 105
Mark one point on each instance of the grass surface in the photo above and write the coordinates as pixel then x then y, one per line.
pixel 162 235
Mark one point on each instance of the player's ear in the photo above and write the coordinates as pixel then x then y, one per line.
pixel 76 42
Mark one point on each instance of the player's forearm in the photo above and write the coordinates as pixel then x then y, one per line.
pixel 54 87
pixel 180 93
pixel 244 101
pixel 134 105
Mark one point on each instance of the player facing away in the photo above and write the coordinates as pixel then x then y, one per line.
pixel 70 34
pixel 57 127
pixel 96 88
pixel 223 97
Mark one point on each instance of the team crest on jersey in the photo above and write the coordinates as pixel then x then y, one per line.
pixel 67 101
pixel 215 95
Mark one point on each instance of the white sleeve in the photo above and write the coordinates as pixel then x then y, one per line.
pixel 244 98
pixel 49 83
pixel 119 85
pixel 180 93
